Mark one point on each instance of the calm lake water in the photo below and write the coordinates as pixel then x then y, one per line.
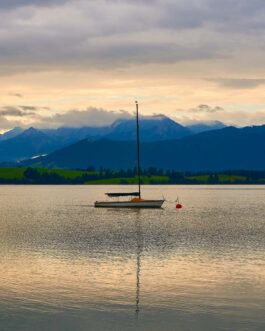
pixel 67 266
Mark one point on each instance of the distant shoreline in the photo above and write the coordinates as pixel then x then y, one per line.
pixel 151 176
pixel 176 184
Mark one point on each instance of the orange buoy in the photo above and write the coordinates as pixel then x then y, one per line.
pixel 178 206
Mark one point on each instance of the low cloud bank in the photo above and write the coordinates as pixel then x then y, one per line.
pixel 11 116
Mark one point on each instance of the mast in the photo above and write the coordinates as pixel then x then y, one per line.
pixel 138 149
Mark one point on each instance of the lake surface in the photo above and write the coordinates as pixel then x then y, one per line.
pixel 67 266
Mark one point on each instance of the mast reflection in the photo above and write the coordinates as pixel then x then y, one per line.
pixel 139 242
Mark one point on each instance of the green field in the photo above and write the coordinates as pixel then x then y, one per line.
pixel 131 180
pixel 221 178
pixel 201 178
pixel 12 173
pixel 232 178
pixel 72 175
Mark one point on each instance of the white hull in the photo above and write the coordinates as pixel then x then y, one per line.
pixel 130 204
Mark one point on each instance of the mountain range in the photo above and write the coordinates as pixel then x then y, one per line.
pixel 19 144
pixel 164 144
pixel 27 144
pixel 206 126
pixel 228 148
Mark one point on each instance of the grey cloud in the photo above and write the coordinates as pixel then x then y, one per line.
pixel 114 33
pixel 207 109
pixel 91 116
pixel 245 83
pixel 12 111
pixel 5 124
pixel 12 116
pixel 77 118
pixel 160 13
pixel 11 4
pixel 29 108
pixel 18 95
pixel 245 15
pixel 151 52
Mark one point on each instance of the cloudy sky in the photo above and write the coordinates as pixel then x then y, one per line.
pixel 76 62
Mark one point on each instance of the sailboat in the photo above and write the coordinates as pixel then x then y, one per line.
pixel 134 199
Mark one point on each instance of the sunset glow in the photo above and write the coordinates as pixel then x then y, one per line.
pixel 59 56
